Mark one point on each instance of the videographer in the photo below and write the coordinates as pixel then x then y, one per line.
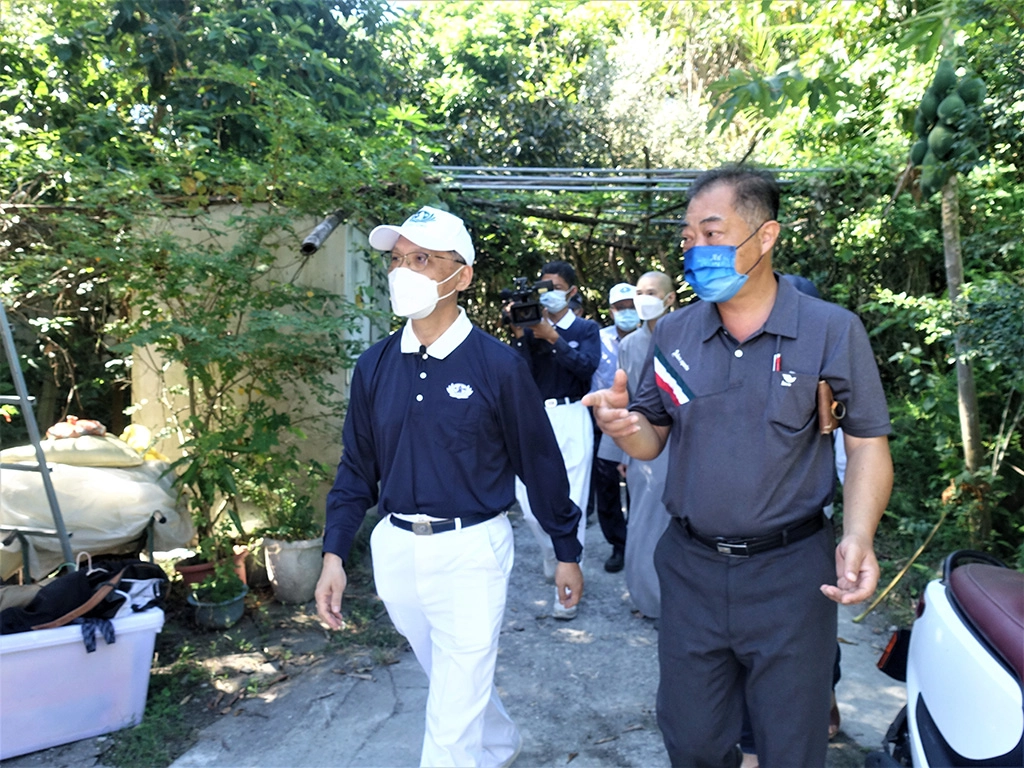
pixel 562 351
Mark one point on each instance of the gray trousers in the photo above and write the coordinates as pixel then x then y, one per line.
pixel 757 628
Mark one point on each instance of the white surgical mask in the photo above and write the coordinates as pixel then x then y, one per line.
pixel 649 307
pixel 554 301
pixel 413 294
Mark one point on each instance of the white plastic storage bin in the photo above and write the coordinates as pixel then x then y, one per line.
pixel 53 692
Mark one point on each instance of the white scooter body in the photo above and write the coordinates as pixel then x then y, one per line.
pixel 964 669
pixel 975 703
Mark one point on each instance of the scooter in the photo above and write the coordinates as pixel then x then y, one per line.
pixel 963 663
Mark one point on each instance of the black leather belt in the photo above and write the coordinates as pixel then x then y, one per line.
pixel 428 527
pixel 728 545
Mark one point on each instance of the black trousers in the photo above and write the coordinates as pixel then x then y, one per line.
pixel 755 630
pixel 604 495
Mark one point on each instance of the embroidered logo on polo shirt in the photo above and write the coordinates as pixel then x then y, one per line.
pixel 788 379
pixel 679 359
pixel 669 380
pixel 459 391
pixel 574 344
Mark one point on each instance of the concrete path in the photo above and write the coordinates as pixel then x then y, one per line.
pixel 581 691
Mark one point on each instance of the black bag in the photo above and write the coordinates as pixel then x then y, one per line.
pixel 104 590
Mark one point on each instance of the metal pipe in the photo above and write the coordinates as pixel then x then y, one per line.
pixel 321 232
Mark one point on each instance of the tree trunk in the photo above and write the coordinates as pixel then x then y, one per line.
pixel 970 427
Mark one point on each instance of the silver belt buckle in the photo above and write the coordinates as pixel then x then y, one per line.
pixel 551 402
pixel 734 550
pixel 422 529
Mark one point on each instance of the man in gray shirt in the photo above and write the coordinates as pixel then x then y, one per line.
pixel 747 566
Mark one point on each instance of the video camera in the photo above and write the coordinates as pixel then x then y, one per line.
pixel 525 308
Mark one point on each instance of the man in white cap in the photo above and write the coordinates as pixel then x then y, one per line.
pixel 605 496
pixel 441 420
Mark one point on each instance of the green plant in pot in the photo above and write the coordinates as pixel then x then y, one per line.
pixel 219 600
pixel 293 534
pixel 214 471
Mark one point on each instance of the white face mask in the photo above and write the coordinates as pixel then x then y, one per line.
pixel 413 294
pixel 649 307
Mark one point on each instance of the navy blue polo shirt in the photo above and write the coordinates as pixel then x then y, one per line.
pixel 444 430
pixel 565 368
pixel 745 455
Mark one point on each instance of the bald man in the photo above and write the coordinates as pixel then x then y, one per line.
pixel 648 518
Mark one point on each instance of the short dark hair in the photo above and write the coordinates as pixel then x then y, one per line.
pixel 561 268
pixel 755 192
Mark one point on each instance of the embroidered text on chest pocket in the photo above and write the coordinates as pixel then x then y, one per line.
pixel 791 403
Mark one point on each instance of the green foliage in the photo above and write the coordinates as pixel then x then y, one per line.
pixel 505 79
pixel 281 487
pixel 992 325
pixel 124 116
pixel 222 585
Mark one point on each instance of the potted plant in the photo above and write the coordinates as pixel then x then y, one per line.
pixel 293 533
pixel 219 600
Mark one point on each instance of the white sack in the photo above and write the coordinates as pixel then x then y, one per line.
pixel 106 509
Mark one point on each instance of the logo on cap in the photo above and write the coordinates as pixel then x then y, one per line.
pixel 422 216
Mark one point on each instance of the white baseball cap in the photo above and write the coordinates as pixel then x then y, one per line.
pixel 621 292
pixel 429 228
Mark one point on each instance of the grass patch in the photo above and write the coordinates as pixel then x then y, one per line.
pixel 166 727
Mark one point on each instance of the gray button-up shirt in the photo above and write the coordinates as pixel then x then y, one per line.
pixel 745 455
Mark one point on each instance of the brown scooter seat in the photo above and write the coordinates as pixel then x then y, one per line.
pixel 993 599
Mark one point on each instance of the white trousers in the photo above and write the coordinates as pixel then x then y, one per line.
pixel 574 432
pixel 446 594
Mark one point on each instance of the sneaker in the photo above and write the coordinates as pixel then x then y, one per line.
pixel 615 563
pixel 560 612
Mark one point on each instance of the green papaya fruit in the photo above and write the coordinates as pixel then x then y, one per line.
pixel 929 106
pixel 918 151
pixel 945 78
pixel 972 90
pixel 951 108
pixel 921 126
pixel 968 153
pixel 940 141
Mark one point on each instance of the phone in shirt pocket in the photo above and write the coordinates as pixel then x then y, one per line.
pixel 791 400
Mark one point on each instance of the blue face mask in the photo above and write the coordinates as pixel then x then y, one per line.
pixel 554 301
pixel 626 320
pixel 711 270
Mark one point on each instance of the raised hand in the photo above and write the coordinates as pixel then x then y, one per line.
pixel 610 408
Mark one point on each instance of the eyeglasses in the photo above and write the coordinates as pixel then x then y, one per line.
pixel 417 261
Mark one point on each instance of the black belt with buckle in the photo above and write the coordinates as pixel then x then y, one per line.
pixel 428 527
pixel 738 547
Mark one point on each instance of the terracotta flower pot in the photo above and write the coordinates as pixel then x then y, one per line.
pixel 194 572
